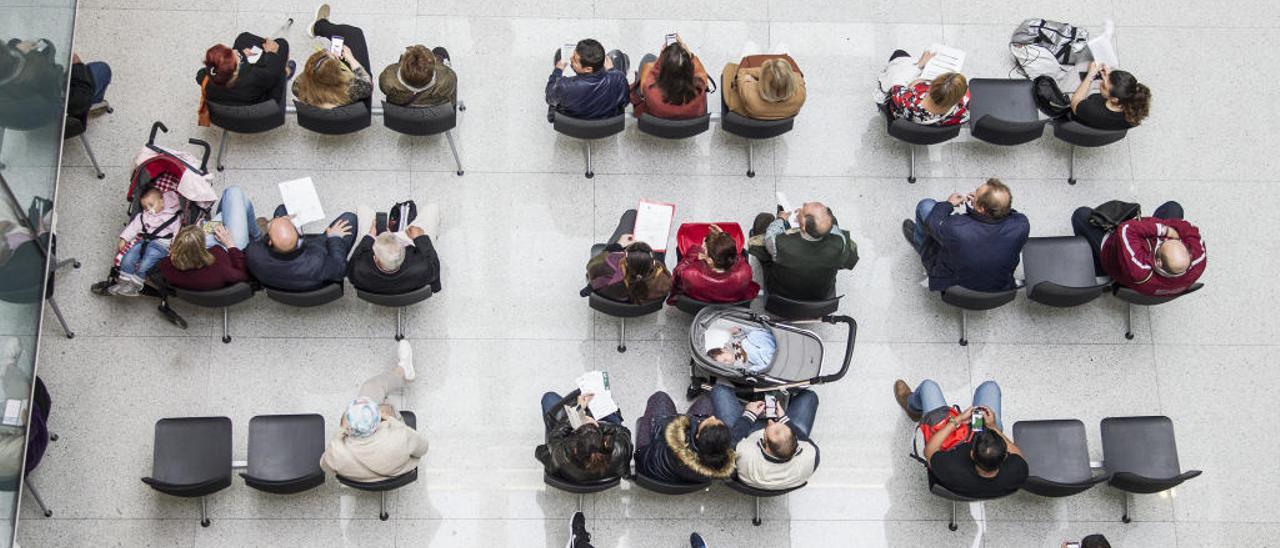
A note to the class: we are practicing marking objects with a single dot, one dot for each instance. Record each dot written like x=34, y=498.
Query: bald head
x=780, y=440
x=1173, y=258
x=816, y=219
x=282, y=236
x=993, y=199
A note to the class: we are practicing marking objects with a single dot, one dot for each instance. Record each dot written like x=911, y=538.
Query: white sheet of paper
x=653, y=223
x=784, y=202
x=566, y=55
x=13, y=412
x=946, y=59
x=597, y=384
x=300, y=198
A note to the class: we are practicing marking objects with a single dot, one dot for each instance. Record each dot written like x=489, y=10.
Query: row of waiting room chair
x=1140, y=456
x=193, y=458
x=1059, y=273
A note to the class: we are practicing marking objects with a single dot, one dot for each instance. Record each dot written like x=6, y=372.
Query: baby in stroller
x=146, y=238
x=753, y=347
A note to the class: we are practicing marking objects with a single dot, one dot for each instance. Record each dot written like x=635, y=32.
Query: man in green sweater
x=801, y=262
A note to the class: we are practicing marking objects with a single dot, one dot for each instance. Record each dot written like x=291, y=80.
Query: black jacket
x=80, y=92
x=972, y=250
x=320, y=260
x=671, y=456
x=554, y=455
x=421, y=267
x=591, y=96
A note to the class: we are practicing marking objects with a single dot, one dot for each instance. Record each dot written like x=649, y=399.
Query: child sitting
x=752, y=346
x=156, y=223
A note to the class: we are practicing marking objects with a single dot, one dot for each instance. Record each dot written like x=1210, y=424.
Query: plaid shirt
x=907, y=102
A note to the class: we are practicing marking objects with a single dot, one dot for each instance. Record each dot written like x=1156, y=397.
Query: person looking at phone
x=772, y=444
x=593, y=450
x=392, y=263
x=751, y=347
x=984, y=465
x=978, y=249
x=252, y=70
x=1119, y=103
x=597, y=88
x=801, y=262
x=288, y=260
x=672, y=85
x=338, y=76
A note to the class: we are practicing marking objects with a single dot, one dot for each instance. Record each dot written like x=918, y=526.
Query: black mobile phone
x=381, y=222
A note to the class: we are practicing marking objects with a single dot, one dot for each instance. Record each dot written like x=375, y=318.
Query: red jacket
x=1127, y=255
x=696, y=278
x=227, y=268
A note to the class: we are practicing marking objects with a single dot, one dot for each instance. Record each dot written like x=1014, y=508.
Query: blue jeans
x=138, y=263
x=928, y=396
x=802, y=409
x=236, y=213
x=101, y=73
x=923, y=208
x=550, y=399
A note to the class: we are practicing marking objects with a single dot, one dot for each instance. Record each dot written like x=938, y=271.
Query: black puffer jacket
x=554, y=455
x=672, y=457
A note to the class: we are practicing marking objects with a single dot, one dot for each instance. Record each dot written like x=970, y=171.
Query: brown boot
x=902, y=391
x=262, y=224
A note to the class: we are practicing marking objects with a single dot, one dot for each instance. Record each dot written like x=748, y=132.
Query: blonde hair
x=324, y=81
x=948, y=89
x=187, y=251
x=777, y=81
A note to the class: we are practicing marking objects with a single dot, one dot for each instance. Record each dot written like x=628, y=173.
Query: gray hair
x=389, y=252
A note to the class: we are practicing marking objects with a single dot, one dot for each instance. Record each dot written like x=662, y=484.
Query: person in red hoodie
x=714, y=271
x=1157, y=255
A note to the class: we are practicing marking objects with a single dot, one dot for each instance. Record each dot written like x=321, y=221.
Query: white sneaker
x=322, y=12
x=405, y=352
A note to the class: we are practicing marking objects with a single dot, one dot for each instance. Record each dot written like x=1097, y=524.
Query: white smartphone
x=335, y=45
x=255, y=53
x=566, y=55
x=770, y=407
x=672, y=38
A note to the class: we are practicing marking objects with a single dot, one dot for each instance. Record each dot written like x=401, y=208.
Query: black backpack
x=1110, y=214
x=1049, y=99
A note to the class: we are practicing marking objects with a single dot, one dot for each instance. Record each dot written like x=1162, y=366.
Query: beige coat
x=756, y=470
x=392, y=450
x=742, y=95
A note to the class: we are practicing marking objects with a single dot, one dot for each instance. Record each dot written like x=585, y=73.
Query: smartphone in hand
x=770, y=407
x=335, y=45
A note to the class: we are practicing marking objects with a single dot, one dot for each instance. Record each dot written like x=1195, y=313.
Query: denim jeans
x=138, y=262
x=101, y=73
x=928, y=396
x=235, y=211
x=920, y=237
x=802, y=409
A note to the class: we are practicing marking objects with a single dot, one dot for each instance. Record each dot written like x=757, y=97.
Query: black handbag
x=1049, y=98
x=1110, y=214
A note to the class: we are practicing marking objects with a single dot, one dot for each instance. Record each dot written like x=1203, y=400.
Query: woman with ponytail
x=1120, y=103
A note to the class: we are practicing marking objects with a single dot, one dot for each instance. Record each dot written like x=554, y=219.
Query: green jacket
x=805, y=269
x=443, y=88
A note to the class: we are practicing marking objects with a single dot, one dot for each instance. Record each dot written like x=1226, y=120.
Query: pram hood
x=192, y=185
x=799, y=351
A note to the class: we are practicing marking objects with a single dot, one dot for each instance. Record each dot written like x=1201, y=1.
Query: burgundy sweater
x=227, y=268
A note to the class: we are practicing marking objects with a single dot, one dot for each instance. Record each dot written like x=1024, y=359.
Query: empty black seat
x=968, y=299
x=1141, y=455
x=795, y=309
x=323, y=295
x=734, y=483
x=1003, y=111
x=916, y=134
x=589, y=130
x=192, y=458
x=334, y=121
x=693, y=306
x=937, y=489
x=423, y=121
x=673, y=129
x=389, y=484
x=1080, y=135
x=1133, y=297
x=622, y=311
x=752, y=130
x=255, y=118
x=1059, y=271
x=399, y=302
x=219, y=298
x=284, y=453
x=1057, y=454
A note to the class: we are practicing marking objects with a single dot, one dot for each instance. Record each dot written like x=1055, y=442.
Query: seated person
x=628, y=271
x=286, y=259
x=88, y=86
x=145, y=240
x=1157, y=255
x=599, y=88
x=1119, y=103
x=330, y=80
x=943, y=101
x=713, y=271
x=978, y=249
x=751, y=348
x=398, y=261
x=987, y=464
x=29, y=70
x=801, y=262
x=200, y=262
x=373, y=443
x=774, y=453
x=422, y=78
x=671, y=86
x=23, y=251
x=228, y=78
x=766, y=86
x=673, y=448
x=592, y=450
x=1091, y=541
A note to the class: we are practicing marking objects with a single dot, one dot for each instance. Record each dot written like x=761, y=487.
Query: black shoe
x=442, y=54
x=695, y=541
x=909, y=232
x=290, y=68
x=578, y=534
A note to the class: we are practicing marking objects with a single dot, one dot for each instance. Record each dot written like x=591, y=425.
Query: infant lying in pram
x=145, y=240
x=752, y=348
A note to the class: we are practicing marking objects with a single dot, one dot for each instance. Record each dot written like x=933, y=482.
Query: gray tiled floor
x=509, y=324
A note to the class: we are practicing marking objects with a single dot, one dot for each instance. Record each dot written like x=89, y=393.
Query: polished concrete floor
x=516, y=232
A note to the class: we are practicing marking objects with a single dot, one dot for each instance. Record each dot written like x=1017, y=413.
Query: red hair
x=221, y=63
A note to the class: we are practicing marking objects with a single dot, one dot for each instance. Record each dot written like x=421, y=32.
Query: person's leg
x=923, y=208
x=349, y=240
x=280, y=92
x=280, y=211
x=150, y=257
x=626, y=225
x=621, y=62
x=647, y=59
x=429, y=221
x=236, y=213
x=1168, y=210
x=725, y=403
x=898, y=53
x=802, y=409
x=1081, y=227
x=660, y=405
x=129, y=263
x=246, y=40
x=988, y=394
x=352, y=37
x=701, y=407
x=927, y=397
x=549, y=400
x=101, y=79
x=380, y=385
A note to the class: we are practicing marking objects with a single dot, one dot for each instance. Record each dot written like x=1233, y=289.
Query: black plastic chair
x=1057, y=454
x=304, y=299
x=219, y=298
x=1003, y=111
x=192, y=459
x=693, y=306
x=33, y=293
x=1133, y=297
x=667, y=488
x=1059, y=271
x=424, y=121
x=581, y=489
x=757, y=494
x=391, y=484
x=1080, y=135
x=664, y=128
x=75, y=127
x=284, y=453
x=1141, y=455
x=398, y=302
x=334, y=121
x=589, y=130
x=753, y=130
x=255, y=118
x=795, y=309
x=967, y=299
x=914, y=134
x=939, y=490
x=619, y=309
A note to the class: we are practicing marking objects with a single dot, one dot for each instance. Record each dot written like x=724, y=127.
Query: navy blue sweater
x=972, y=250
x=589, y=96
x=320, y=260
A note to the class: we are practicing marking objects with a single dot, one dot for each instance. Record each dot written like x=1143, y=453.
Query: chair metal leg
x=952, y=526
x=751, y=153
x=226, y=331
x=580, y=501
x=911, y=175
x=400, y=323
x=1125, y=517
x=622, y=334
x=586, y=146
x=53, y=436
x=454, y=147
x=382, y=508
x=222, y=147
x=964, y=328
x=92, y=158
x=1128, y=321
x=58, y=313
x=1, y=144
x=35, y=494
x=204, y=512
x=1071, y=167
x=755, y=520
x=63, y=263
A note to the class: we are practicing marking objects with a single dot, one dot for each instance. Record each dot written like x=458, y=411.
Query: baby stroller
x=165, y=170
x=797, y=362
